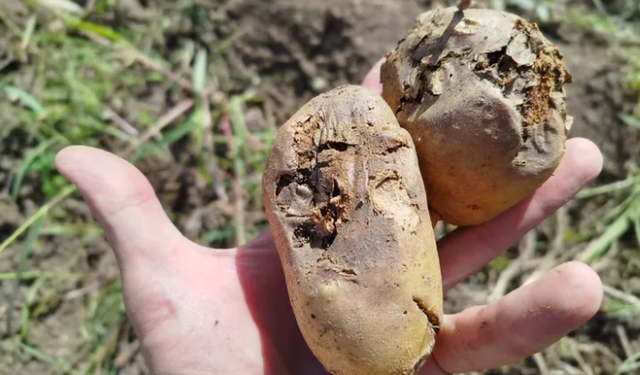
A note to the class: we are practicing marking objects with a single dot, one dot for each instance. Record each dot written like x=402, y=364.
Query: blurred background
x=193, y=91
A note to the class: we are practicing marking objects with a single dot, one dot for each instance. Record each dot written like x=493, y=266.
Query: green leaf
x=609, y=188
x=142, y=152
x=16, y=94
x=28, y=30
x=179, y=131
x=623, y=208
x=32, y=236
x=83, y=96
x=200, y=71
x=524, y=4
x=24, y=168
x=238, y=124
x=632, y=363
x=61, y=365
x=499, y=263
x=43, y=211
x=64, y=5
x=92, y=28
x=37, y=354
x=32, y=275
x=632, y=121
x=601, y=245
x=636, y=226
x=544, y=14
x=628, y=367
x=224, y=234
x=26, y=307
x=173, y=135
x=636, y=222
x=72, y=230
x=600, y=6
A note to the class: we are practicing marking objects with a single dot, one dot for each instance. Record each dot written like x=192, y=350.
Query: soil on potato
x=290, y=51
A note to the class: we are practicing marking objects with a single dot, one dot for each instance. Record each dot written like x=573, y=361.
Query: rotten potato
x=482, y=94
x=348, y=210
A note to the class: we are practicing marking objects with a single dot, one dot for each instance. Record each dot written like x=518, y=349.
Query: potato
x=347, y=207
x=481, y=93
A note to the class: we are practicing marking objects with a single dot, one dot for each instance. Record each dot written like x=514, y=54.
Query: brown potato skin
x=347, y=207
x=481, y=92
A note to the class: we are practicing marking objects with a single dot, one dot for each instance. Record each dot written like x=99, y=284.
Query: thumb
x=372, y=79
x=124, y=203
x=142, y=236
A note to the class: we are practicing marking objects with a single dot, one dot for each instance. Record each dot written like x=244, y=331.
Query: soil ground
x=66, y=310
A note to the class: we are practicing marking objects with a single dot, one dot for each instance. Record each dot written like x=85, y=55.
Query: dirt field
x=70, y=83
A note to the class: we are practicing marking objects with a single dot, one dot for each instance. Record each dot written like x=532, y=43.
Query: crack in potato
x=320, y=227
x=522, y=57
x=432, y=317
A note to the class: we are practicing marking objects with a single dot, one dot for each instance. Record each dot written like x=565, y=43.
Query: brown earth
x=289, y=51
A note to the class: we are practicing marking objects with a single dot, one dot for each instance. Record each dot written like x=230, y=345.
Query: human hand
x=210, y=311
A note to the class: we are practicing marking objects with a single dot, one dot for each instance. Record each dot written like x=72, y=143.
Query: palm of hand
x=203, y=311
x=219, y=312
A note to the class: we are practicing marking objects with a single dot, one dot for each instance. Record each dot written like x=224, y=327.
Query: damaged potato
x=347, y=207
x=472, y=116
x=481, y=93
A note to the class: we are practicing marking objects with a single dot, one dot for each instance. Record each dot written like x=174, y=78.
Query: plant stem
x=39, y=214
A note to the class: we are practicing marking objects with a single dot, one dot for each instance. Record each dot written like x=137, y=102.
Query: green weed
x=618, y=220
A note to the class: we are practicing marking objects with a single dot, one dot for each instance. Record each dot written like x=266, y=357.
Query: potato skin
x=481, y=93
x=347, y=207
